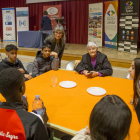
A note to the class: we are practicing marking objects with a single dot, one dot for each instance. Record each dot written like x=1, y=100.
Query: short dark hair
x=45, y=13
x=11, y=80
x=11, y=47
x=110, y=119
x=46, y=45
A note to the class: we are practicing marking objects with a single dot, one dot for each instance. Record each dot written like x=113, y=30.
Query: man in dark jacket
x=94, y=63
x=13, y=62
x=15, y=122
x=45, y=25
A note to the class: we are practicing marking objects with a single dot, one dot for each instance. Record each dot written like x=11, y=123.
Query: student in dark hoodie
x=13, y=62
x=45, y=61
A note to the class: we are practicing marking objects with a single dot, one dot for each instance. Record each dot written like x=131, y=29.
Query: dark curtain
x=74, y=11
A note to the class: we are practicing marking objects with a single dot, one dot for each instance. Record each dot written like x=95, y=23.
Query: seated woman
x=105, y=121
x=94, y=63
x=45, y=61
x=134, y=72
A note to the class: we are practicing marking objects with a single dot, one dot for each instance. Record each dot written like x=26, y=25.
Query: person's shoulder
x=48, y=39
x=27, y=117
x=85, y=55
x=3, y=62
x=17, y=61
x=101, y=54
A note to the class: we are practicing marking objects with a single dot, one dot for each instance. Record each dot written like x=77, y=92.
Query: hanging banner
x=8, y=15
x=111, y=22
x=22, y=16
x=128, y=27
x=95, y=23
x=54, y=12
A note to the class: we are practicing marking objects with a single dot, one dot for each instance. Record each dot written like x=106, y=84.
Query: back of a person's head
x=11, y=82
x=110, y=119
x=45, y=13
x=11, y=47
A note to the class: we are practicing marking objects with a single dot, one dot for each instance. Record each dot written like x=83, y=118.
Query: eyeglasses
x=58, y=33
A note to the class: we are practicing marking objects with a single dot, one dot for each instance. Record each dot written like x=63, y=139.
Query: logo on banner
x=8, y=18
x=8, y=28
x=52, y=11
x=111, y=13
x=129, y=3
x=129, y=7
x=7, y=11
x=8, y=34
x=22, y=23
x=8, y=23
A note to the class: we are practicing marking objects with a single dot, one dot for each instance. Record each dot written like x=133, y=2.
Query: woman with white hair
x=94, y=63
x=57, y=40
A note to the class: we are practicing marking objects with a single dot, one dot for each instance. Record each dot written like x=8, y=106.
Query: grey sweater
x=42, y=65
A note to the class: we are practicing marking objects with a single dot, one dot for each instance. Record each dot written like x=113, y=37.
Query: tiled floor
x=117, y=72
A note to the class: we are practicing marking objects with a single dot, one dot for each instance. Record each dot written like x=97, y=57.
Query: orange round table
x=71, y=108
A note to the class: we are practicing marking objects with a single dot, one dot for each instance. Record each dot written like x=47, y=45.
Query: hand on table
x=94, y=74
x=28, y=76
x=21, y=70
x=85, y=72
x=25, y=102
x=54, y=54
x=87, y=132
x=131, y=101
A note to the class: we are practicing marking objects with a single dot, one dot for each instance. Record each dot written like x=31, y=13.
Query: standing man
x=45, y=25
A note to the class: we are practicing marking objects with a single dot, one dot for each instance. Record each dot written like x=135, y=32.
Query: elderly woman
x=94, y=63
x=57, y=41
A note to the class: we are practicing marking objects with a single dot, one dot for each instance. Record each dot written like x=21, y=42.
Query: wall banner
x=95, y=23
x=111, y=22
x=8, y=15
x=54, y=12
x=128, y=27
x=22, y=17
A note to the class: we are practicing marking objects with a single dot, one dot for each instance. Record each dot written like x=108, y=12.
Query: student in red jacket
x=15, y=122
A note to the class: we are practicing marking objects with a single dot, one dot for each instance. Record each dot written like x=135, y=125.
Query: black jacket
x=20, y=124
x=102, y=64
x=42, y=65
x=6, y=64
x=53, y=44
x=46, y=23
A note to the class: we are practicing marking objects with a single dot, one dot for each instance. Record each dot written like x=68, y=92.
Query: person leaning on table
x=94, y=62
x=57, y=41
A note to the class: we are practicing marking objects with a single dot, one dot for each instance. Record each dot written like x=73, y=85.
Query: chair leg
x=52, y=137
x=52, y=133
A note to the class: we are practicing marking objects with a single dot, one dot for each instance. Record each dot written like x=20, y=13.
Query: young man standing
x=13, y=62
x=15, y=122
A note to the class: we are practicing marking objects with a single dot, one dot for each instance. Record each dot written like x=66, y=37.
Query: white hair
x=92, y=44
